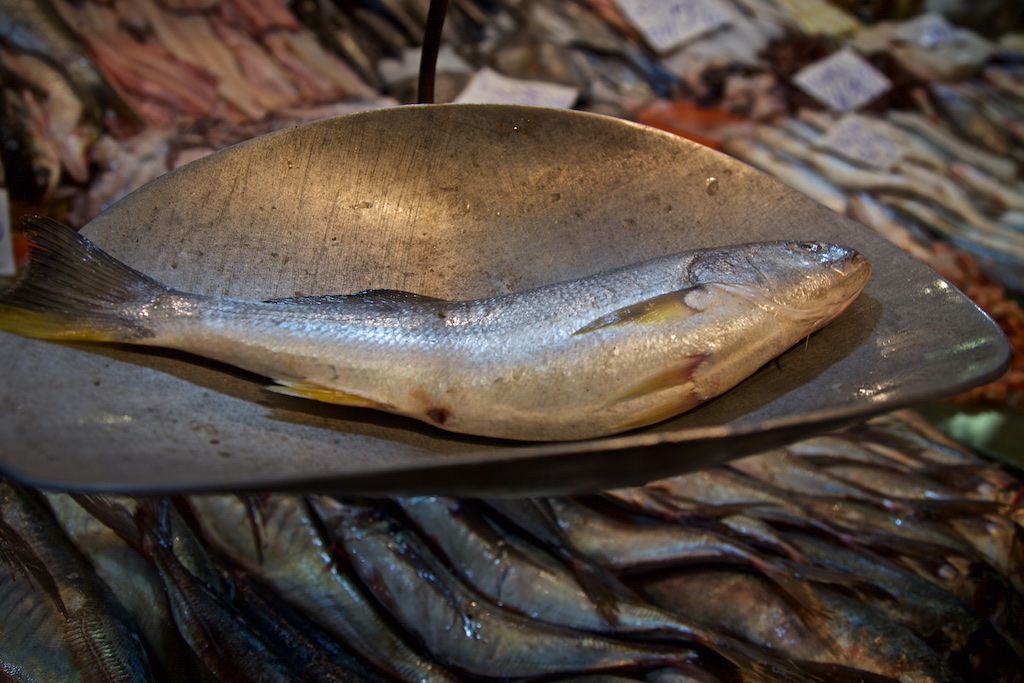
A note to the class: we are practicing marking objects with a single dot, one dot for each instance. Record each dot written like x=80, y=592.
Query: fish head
x=807, y=282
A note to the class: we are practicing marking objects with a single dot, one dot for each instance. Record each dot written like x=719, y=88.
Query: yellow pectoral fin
x=661, y=309
x=679, y=376
x=680, y=373
x=661, y=412
x=317, y=392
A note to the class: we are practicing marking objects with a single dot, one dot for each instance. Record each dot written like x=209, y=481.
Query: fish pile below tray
x=881, y=552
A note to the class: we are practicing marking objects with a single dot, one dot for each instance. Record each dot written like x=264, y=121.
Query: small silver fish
x=578, y=359
x=81, y=632
x=288, y=554
x=460, y=627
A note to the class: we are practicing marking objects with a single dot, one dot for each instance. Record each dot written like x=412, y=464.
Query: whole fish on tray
x=577, y=359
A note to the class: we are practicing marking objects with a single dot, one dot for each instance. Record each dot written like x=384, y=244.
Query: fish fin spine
x=71, y=290
x=664, y=308
x=678, y=375
x=673, y=376
x=661, y=412
x=318, y=392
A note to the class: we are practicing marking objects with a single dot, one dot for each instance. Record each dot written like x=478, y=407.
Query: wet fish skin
x=345, y=35
x=461, y=628
x=516, y=574
x=902, y=655
x=312, y=652
x=901, y=533
x=728, y=489
x=847, y=633
x=641, y=548
x=679, y=675
x=698, y=592
x=101, y=640
x=200, y=602
x=918, y=604
x=995, y=238
x=879, y=485
x=537, y=519
x=940, y=618
x=289, y=554
x=797, y=476
x=625, y=547
x=215, y=631
x=897, y=438
x=636, y=549
x=513, y=574
x=797, y=176
x=867, y=210
x=894, y=525
x=999, y=540
x=18, y=557
x=984, y=589
x=640, y=344
x=135, y=582
x=32, y=645
x=917, y=489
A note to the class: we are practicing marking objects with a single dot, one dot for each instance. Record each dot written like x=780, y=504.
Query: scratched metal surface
x=455, y=201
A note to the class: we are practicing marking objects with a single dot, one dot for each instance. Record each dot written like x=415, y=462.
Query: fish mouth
x=856, y=270
x=843, y=259
x=850, y=264
x=853, y=270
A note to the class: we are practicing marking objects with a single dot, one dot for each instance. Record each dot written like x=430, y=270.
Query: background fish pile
x=881, y=552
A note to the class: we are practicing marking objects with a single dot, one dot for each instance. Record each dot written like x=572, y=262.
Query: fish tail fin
x=71, y=290
x=115, y=516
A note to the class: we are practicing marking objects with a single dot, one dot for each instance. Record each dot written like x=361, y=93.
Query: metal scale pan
x=455, y=201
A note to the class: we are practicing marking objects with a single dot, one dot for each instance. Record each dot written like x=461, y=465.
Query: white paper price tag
x=667, y=24
x=844, y=81
x=928, y=31
x=858, y=139
x=490, y=87
x=7, y=265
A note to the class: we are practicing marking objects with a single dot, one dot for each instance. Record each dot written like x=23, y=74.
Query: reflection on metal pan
x=455, y=201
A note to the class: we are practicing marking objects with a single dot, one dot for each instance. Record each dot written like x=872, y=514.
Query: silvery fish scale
x=455, y=201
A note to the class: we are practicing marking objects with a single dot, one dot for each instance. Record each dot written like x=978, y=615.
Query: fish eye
x=813, y=247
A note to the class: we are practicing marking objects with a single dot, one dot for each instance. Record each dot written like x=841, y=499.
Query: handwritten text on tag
x=844, y=81
x=858, y=139
x=667, y=24
x=928, y=31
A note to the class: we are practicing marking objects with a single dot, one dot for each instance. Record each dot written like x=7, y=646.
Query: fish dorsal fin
x=395, y=296
x=376, y=298
x=663, y=308
x=325, y=300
